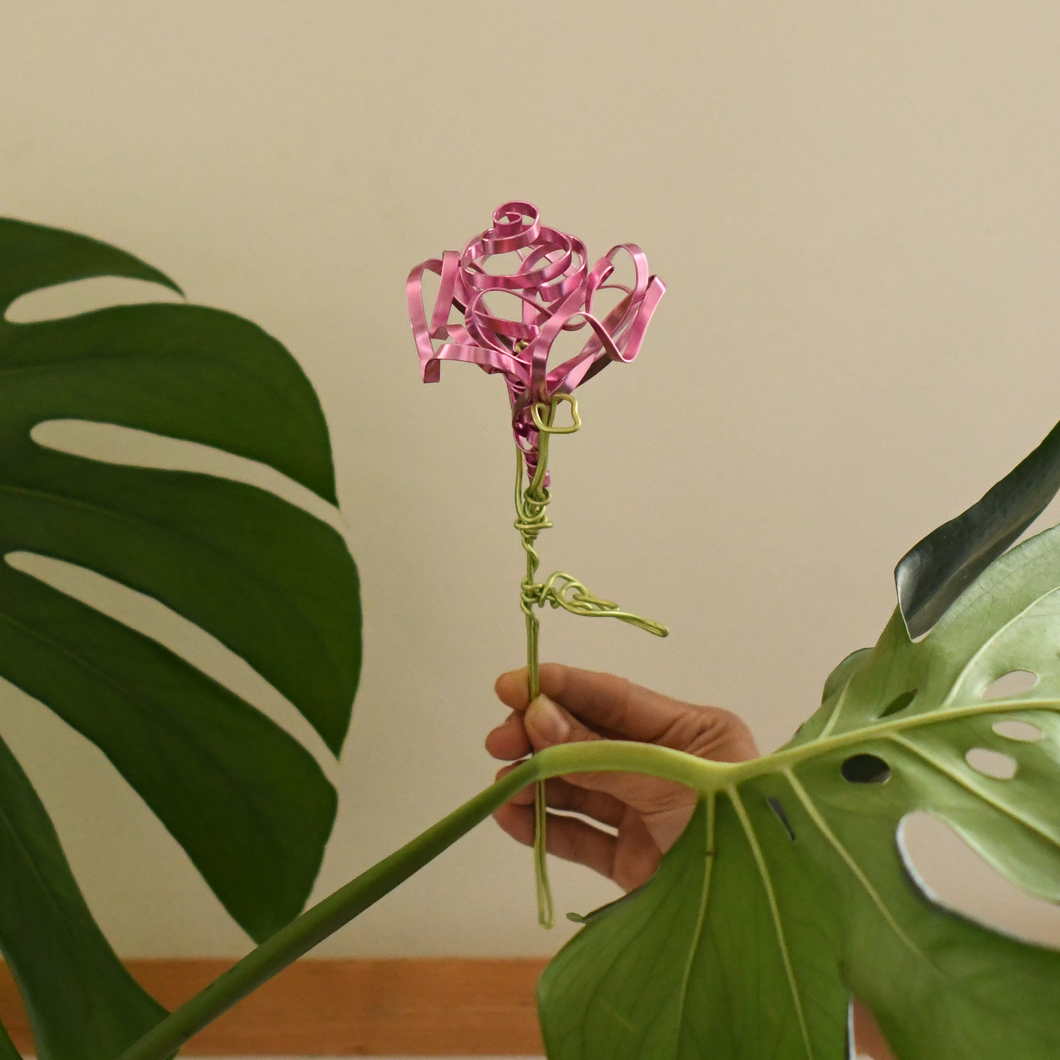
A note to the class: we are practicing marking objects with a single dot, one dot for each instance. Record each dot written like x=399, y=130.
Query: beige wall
x=856, y=209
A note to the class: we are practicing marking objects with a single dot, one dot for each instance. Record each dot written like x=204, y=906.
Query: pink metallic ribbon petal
x=555, y=288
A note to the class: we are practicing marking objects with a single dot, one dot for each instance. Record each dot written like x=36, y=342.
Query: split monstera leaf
x=788, y=892
x=247, y=802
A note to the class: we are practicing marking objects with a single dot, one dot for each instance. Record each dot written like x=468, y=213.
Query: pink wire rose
x=556, y=290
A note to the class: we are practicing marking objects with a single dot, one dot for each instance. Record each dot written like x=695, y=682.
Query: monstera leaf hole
x=1014, y=683
x=778, y=808
x=1020, y=731
x=953, y=875
x=899, y=703
x=192, y=643
x=866, y=769
x=110, y=443
x=992, y=763
x=85, y=296
x=866, y=1037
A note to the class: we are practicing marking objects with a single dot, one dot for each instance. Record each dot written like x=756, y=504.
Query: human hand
x=649, y=814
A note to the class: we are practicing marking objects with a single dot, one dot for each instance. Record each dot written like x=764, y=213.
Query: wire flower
x=556, y=290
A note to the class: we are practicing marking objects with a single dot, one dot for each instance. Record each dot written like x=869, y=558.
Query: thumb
x=548, y=724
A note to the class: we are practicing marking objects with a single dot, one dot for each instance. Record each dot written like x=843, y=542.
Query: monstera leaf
x=788, y=892
x=246, y=801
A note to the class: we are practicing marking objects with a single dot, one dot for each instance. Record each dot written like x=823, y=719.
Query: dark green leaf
x=278, y=587
x=934, y=572
x=246, y=801
x=33, y=257
x=7, y=1046
x=82, y=1003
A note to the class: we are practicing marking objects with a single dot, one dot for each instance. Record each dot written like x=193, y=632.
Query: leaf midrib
x=778, y=760
x=707, y=776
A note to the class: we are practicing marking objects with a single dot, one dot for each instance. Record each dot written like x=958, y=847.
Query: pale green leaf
x=788, y=893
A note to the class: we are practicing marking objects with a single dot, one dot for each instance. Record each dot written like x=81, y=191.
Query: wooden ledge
x=421, y=1007
x=446, y=1006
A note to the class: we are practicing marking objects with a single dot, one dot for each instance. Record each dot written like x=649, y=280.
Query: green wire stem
x=558, y=590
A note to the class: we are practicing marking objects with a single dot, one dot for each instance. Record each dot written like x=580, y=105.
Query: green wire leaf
x=788, y=892
x=278, y=587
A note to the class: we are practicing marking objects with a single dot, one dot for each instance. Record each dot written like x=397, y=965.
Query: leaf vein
x=874, y=896
x=774, y=908
x=963, y=782
x=701, y=919
x=975, y=656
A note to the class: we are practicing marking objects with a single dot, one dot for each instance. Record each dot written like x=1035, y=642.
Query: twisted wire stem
x=559, y=590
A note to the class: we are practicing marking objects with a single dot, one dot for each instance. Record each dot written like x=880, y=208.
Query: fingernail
x=547, y=720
